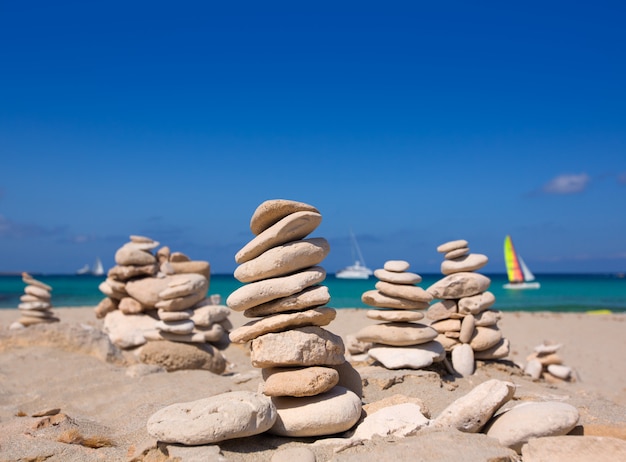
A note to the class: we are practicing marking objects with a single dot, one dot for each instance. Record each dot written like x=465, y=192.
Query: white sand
x=51, y=367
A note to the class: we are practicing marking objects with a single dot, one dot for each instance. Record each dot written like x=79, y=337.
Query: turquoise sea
x=558, y=292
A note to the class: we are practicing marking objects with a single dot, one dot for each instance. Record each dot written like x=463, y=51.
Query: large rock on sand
x=175, y=356
x=226, y=416
x=532, y=420
x=471, y=412
x=332, y=412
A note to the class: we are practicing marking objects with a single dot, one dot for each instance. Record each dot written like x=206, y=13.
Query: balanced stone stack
x=134, y=261
x=546, y=363
x=399, y=341
x=163, y=297
x=303, y=365
x=467, y=328
x=35, y=306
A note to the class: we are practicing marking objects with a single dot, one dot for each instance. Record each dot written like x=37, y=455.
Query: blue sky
x=411, y=123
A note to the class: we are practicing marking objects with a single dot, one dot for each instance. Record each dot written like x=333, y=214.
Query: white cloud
x=567, y=184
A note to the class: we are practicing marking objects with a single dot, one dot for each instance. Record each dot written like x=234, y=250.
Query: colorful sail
x=513, y=267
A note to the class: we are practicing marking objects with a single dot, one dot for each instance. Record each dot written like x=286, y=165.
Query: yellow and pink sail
x=517, y=271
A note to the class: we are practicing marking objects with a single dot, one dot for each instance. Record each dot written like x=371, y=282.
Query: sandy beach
x=105, y=398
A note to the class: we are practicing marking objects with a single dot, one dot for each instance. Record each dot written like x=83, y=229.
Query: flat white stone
x=393, y=277
x=182, y=285
x=459, y=285
x=207, y=314
x=395, y=315
x=181, y=303
x=29, y=298
x=274, y=210
x=184, y=326
x=405, y=291
x=532, y=420
x=471, y=412
x=452, y=245
x=457, y=253
x=299, y=381
x=174, y=315
x=132, y=254
x=37, y=306
x=47, y=313
x=378, y=299
x=293, y=227
x=400, y=420
x=329, y=413
x=259, y=292
x=471, y=262
x=546, y=348
x=221, y=417
x=413, y=357
x=313, y=296
x=560, y=371
x=396, y=266
x=280, y=322
x=397, y=333
x=283, y=259
x=37, y=291
x=137, y=239
x=128, y=331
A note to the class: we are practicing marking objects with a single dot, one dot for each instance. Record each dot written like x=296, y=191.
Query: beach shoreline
x=43, y=369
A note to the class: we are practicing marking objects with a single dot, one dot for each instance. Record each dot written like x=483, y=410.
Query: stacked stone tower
x=467, y=328
x=399, y=341
x=153, y=300
x=303, y=364
x=36, y=305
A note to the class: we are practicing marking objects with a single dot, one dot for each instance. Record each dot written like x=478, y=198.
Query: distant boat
x=96, y=269
x=520, y=277
x=359, y=270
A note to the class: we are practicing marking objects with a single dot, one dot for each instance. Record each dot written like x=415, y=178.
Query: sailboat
x=520, y=277
x=95, y=270
x=359, y=270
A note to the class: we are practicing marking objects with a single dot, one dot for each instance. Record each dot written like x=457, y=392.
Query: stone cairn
x=546, y=363
x=399, y=341
x=467, y=328
x=303, y=366
x=35, y=306
x=159, y=302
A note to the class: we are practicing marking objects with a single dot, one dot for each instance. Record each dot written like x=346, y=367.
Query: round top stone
x=452, y=245
x=272, y=211
x=396, y=266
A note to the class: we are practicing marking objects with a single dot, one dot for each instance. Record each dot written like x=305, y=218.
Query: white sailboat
x=96, y=270
x=520, y=277
x=359, y=270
